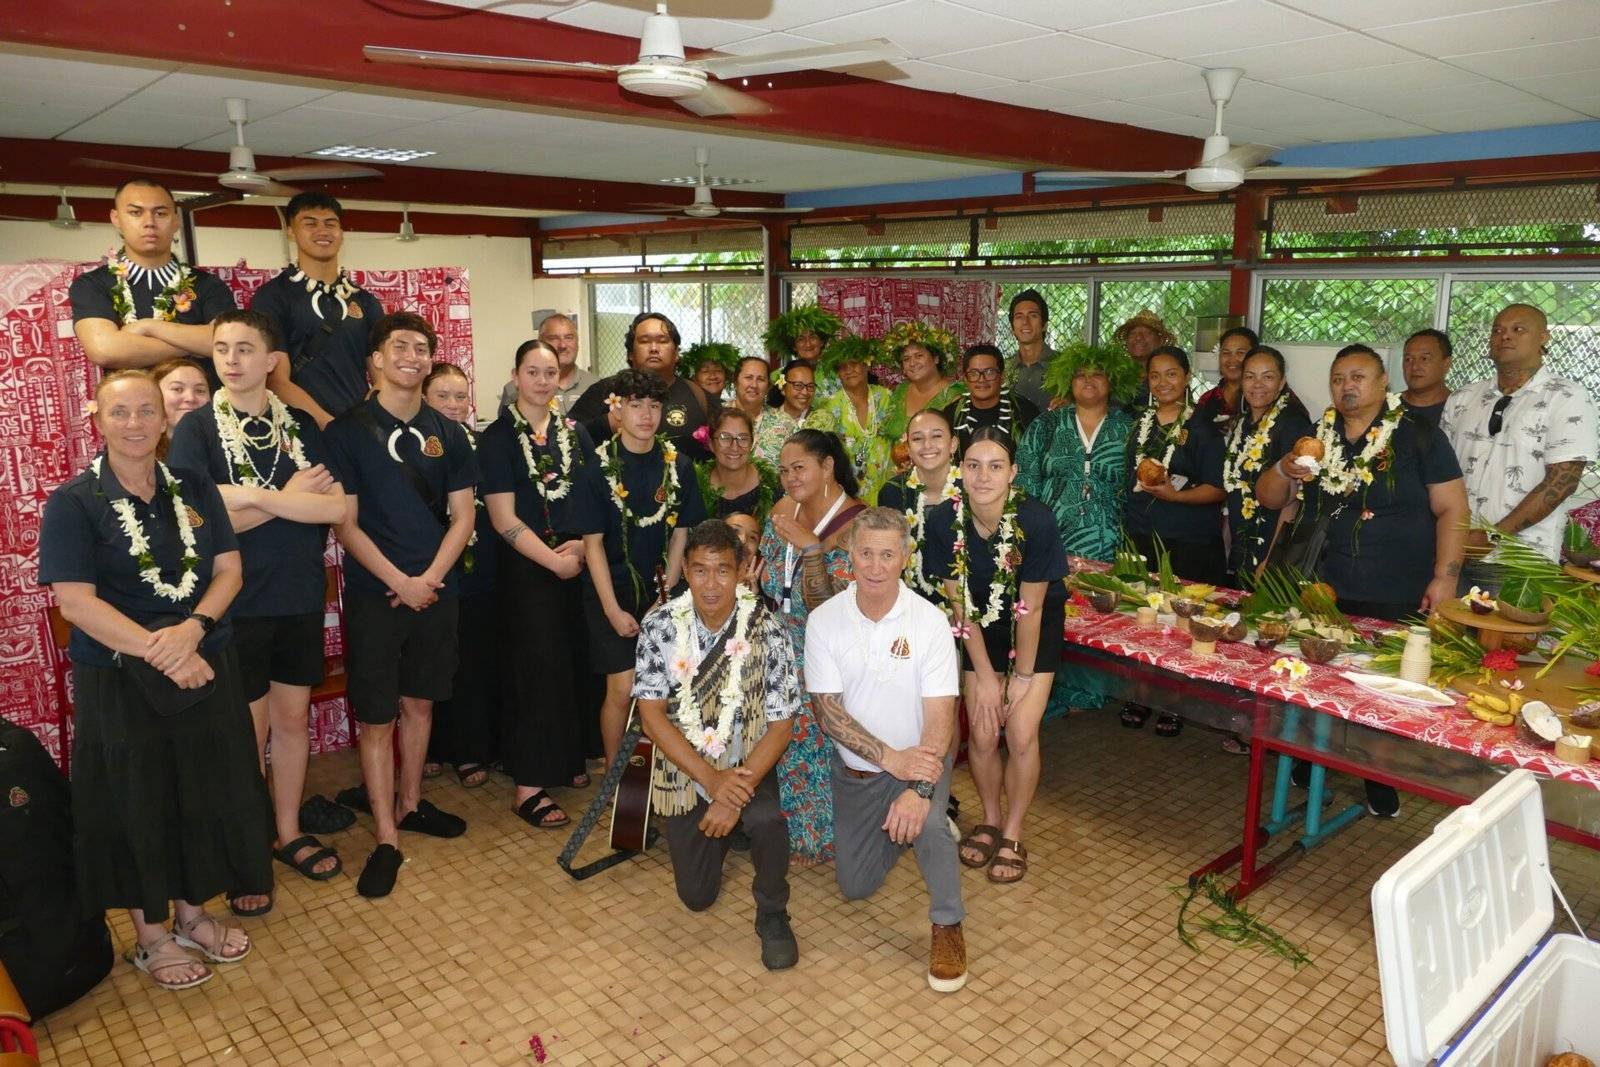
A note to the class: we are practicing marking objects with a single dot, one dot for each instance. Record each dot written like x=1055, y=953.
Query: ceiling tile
x=203, y=94
x=923, y=27
x=1132, y=83
x=38, y=120
x=1511, y=64
x=1027, y=94
x=629, y=22
x=1365, y=14
x=1580, y=91
x=1144, y=117
x=755, y=15
x=1375, y=85
x=1485, y=31
x=1533, y=113
x=306, y=129
x=1484, y=94
x=381, y=102
x=1058, y=15
x=1365, y=128
x=1339, y=51
x=80, y=97
x=128, y=74
x=1042, y=57
x=766, y=42
x=1212, y=28
x=159, y=129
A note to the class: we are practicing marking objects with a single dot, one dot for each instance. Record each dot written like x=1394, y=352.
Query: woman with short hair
x=796, y=386
x=733, y=481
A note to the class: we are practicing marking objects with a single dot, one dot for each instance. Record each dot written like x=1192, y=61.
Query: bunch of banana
x=1497, y=711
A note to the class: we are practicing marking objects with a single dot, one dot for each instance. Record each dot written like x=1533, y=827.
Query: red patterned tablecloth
x=1242, y=666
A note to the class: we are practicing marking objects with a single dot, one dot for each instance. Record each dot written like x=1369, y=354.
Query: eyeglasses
x=735, y=440
x=1497, y=417
x=983, y=374
x=803, y=387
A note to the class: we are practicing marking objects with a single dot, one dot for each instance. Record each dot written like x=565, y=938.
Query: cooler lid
x=1457, y=914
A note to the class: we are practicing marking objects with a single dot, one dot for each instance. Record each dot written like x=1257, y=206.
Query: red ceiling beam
x=54, y=163
x=324, y=41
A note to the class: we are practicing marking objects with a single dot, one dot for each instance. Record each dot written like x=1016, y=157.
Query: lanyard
x=791, y=558
x=1088, y=447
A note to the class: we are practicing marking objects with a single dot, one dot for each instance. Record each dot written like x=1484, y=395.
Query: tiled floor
x=486, y=943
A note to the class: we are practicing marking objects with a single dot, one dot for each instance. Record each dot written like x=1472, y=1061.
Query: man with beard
x=652, y=344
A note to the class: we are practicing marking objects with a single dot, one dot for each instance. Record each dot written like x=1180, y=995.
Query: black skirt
x=543, y=735
x=1052, y=623
x=464, y=726
x=166, y=807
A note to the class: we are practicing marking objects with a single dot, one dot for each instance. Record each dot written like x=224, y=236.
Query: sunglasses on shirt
x=1497, y=417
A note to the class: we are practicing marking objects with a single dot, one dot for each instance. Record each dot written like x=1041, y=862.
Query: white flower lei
x=1147, y=423
x=563, y=446
x=1245, y=457
x=139, y=543
x=176, y=297
x=914, y=516
x=1005, y=536
x=1339, y=476
x=230, y=434
x=712, y=740
x=619, y=495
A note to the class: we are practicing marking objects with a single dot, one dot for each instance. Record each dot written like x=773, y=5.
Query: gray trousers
x=697, y=859
x=864, y=855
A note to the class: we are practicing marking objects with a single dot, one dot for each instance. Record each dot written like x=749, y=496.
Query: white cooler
x=1470, y=973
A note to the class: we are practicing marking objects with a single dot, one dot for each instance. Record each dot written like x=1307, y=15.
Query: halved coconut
x=1538, y=724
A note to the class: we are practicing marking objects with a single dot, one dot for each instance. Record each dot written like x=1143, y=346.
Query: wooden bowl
x=1523, y=617
x=1320, y=649
x=1103, y=601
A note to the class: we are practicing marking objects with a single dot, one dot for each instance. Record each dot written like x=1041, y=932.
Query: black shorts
x=396, y=652
x=1052, y=623
x=282, y=648
x=609, y=652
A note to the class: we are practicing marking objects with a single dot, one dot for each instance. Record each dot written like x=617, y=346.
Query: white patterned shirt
x=1548, y=420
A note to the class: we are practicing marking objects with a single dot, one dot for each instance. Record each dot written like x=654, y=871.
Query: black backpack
x=54, y=954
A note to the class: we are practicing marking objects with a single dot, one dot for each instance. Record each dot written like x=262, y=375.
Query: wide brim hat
x=1150, y=321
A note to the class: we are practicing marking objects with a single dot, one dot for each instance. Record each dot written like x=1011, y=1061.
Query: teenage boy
x=323, y=316
x=634, y=510
x=408, y=474
x=268, y=462
x=144, y=306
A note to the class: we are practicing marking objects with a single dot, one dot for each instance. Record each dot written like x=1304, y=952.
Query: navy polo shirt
x=1291, y=425
x=81, y=540
x=389, y=508
x=1389, y=557
x=90, y=296
x=1199, y=459
x=327, y=345
x=642, y=478
x=681, y=415
x=505, y=471
x=1038, y=539
x=283, y=568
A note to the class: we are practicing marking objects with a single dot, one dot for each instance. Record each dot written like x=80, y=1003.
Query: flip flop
x=307, y=864
x=992, y=836
x=249, y=913
x=532, y=812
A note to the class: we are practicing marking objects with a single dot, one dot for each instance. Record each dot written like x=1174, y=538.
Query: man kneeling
x=713, y=672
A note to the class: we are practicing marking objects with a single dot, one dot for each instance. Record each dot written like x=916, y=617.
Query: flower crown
x=1119, y=368
x=936, y=339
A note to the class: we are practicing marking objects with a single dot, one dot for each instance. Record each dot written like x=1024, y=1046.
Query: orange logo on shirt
x=195, y=518
x=901, y=649
x=353, y=310
x=432, y=447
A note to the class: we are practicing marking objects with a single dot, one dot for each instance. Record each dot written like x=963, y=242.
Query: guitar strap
x=598, y=807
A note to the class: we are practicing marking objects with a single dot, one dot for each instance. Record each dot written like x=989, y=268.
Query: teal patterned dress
x=1085, y=489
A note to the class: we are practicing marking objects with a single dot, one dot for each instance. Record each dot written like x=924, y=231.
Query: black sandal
x=465, y=771
x=308, y=864
x=1168, y=725
x=319, y=815
x=1133, y=716
x=249, y=913
x=540, y=804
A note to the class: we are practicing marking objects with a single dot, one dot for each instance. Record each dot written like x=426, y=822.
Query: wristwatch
x=923, y=789
x=206, y=621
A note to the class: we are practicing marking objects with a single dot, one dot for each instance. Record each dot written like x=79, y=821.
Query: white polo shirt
x=1549, y=420
x=884, y=668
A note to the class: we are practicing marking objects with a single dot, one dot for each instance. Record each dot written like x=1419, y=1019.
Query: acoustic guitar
x=630, y=811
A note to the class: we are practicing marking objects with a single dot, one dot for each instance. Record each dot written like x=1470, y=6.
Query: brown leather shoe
x=947, y=959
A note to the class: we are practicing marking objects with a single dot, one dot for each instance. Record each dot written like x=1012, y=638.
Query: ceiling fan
x=661, y=69
x=241, y=175
x=703, y=207
x=1223, y=165
x=66, y=218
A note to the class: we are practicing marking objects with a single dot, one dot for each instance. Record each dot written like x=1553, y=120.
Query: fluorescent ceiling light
x=382, y=155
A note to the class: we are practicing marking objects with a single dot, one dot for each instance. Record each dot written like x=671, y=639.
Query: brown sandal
x=164, y=955
x=1018, y=863
x=986, y=847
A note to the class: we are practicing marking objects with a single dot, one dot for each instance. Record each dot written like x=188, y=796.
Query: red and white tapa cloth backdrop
x=870, y=307
x=1242, y=666
x=45, y=438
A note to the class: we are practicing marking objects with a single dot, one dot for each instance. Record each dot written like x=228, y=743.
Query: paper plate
x=1399, y=689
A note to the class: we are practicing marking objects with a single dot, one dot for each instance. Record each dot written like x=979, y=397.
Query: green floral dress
x=1084, y=487
x=869, y=452
x=772, y=430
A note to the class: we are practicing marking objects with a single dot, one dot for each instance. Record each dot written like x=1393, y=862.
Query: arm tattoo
x=816, y=584
x=843, y=728
x=1559, y=482
x=514, y=532
x=1453, y=570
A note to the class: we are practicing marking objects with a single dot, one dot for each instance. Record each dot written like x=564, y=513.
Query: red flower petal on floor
x=537, y=1046
x=1501, y=659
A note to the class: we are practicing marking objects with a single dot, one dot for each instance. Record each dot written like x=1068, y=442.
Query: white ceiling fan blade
x=1081, y=175
x=322, y=172
x=765, y=210
x=716, y=100
x=818, y=57
x=1241, y=156
x=276, y=189
x=110, y=164
x=422, y=57
x=1308, y=173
